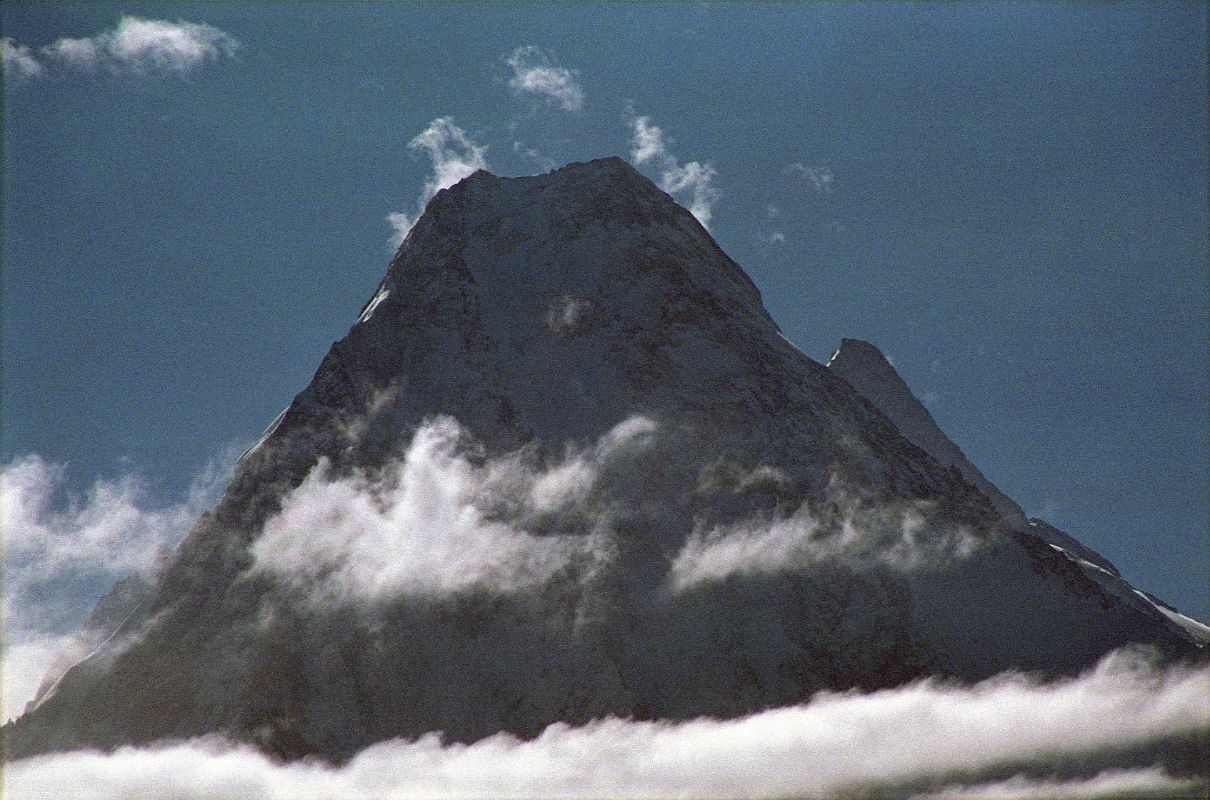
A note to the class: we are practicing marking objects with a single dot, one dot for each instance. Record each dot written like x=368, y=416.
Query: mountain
x=868, y=371
x=564, y=465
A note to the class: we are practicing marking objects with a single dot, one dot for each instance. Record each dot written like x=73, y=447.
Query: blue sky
x=1010, y=200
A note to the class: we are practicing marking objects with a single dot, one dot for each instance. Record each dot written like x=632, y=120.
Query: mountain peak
x=870, y=372
x=595, y=234
x=570, y=406
x=859, y=350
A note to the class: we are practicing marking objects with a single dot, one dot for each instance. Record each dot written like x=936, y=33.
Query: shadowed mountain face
x=565, y=466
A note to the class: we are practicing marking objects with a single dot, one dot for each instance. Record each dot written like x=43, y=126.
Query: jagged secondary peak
x=865, y=367
x=870, y=372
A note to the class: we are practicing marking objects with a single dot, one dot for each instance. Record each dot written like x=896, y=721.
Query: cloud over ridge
x=453, y=155
x=55, y=548
x=896, y=537
x=647, y=145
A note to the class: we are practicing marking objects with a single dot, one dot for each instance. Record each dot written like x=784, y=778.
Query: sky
x=1009, y=199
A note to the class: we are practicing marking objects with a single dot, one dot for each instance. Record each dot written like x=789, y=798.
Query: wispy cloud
x=424, y=528
x=943, y=735
x=536, y=73
x=454, y=156
x=897, y=536
x=135, y=45
x=19, y=60
x=818, y=176
x=692, y=178
x=61, y=553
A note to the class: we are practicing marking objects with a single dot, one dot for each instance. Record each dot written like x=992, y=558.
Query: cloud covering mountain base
x=1010, y=736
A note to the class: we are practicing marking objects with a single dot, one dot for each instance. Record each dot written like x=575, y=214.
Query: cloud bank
x=647, y=146
x=955, y=741
x=61, y=553
x=454, y=156
x=535, y=73
x=135, y=45
x=437, y=523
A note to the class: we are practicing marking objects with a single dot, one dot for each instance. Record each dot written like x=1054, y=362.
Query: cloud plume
x=435, y=525
x=535, y=73
x=454, y=156
x=983, y=740
x=693, y=178
x=894, y=536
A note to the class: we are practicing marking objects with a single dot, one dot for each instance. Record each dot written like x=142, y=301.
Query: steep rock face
x=865, y=368
x=580, y=312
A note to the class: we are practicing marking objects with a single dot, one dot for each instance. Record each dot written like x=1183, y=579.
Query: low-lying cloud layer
x=134, y=45
x=924, y=739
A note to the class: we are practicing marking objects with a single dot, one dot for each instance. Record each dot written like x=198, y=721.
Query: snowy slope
x=564, y=465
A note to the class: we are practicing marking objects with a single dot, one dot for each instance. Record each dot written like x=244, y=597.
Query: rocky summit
x=565, y=466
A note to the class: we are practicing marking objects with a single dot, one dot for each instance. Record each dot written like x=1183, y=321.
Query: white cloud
x=896, y=536
x=19, y=60
x=818, y=176
x=647, y=142
x=83, y=54
x=1138, y=783
x=401, y=223
x=138, y=45
x=28, y=658
x=838, y=743
x=426, y=527
x=61, y=553
x=454, y=156
x=693, y=178
x=535, y=73
x=777, y=237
